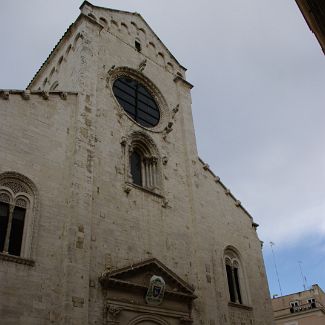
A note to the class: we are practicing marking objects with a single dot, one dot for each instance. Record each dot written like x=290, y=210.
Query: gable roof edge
x=227, y=191
x=138, y=15
x=56, y=48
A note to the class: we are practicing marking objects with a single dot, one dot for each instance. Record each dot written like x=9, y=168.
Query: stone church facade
x=107, y=215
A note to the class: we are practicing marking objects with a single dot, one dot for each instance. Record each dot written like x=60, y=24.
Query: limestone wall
x=37, y=136
x=91, y=217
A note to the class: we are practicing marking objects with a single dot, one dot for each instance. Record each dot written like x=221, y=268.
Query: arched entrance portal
x=148, y=320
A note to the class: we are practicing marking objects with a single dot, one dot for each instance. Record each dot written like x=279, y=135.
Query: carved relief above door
x=146, y=293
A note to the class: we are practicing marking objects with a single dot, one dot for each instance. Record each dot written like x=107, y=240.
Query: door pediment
x=137, y=277
x=147, y=292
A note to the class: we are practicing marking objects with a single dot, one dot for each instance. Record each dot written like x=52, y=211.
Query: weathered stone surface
x=91, y=218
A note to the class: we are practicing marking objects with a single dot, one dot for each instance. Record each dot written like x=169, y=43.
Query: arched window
x=17, y=198
x=136, y=168
x=234, y=276
x=144, y=162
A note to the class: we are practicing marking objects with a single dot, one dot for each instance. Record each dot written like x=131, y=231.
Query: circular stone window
x=137, y=101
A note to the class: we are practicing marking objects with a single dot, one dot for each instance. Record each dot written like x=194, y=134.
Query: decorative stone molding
x=18, y=183
x=5, y=95
x=186, y=320
x=127, y=189
x=237, y=203
x=206, y=167
x=113, y=310
x=165, y=204
x=25, y=94
x=78, y=302
x=255, y=225
x=109, y=72
x=167, y=130
x=123, y=141
x=217, y=179
x=63, y=95
x=183, y=81
x=175, y=111
x=45, y=95
x=164, y=160
x=227, y=191
x=142, y=65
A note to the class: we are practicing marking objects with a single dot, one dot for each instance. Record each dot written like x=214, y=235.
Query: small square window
x=294, y=303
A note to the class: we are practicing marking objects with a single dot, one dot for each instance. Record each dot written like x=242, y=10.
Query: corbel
x=175, y=111
x=25, y=94
x=127, y=189
x=123, y=141
x=63, y=95
x=167, y=129
x=113, y=311
x=5, y=95
x=142, y=65
x=206, y=167
x=217, y=179
x=45, y=95
x=165, y=203
x=109, y=72
x=164, y=160
x=186, y=320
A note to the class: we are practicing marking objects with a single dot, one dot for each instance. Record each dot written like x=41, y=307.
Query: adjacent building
x=314, y=14
x=107, y=214
x=302, y=308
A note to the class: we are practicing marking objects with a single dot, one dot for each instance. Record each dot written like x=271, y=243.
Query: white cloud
x=289, y=229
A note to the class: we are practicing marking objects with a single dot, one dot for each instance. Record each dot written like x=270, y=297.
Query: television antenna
x=304, y=280
x=276, y=268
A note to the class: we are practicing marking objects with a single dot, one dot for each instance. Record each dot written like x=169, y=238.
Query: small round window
x=136, y=100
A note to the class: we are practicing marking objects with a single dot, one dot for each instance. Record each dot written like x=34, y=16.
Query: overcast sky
x=258, y=105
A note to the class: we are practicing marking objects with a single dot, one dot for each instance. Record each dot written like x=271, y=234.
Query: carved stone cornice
x=186, y=321
x=113, y=311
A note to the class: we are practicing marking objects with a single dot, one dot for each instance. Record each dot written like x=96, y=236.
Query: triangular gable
x=138, y=275
x=69, y=34
x=72, y=31
x=135, y=14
